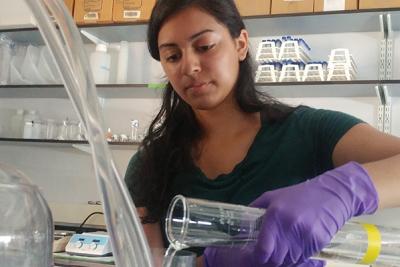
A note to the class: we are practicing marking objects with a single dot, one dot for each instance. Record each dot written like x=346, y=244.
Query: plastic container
x=44, y=67
x=100, y=62
x=29, y=68
x=16, y=65
x=5, y=59
x=123, y=59
x=32, y=125
x=63, y=130
x=136, y=72
x=73, y=130
x=49, y=128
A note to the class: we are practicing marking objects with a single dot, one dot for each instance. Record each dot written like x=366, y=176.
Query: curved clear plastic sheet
x=130, y=247
x=26, y=226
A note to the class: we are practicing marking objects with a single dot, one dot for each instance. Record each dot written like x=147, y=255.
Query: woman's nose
x=190, y=64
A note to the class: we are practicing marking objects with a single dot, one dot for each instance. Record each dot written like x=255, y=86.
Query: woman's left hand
x=302, y=219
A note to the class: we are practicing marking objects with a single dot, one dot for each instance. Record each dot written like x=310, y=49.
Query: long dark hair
x=167, y=148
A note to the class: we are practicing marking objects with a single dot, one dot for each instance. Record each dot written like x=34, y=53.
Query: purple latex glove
x=302, y=219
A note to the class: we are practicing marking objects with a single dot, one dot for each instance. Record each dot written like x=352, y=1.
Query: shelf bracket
x=386, y=47
x=385, y=73
x=382, y=47
x=389, y=47
x=384, y=109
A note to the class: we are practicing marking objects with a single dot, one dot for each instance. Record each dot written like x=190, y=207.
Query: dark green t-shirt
x=282, y=154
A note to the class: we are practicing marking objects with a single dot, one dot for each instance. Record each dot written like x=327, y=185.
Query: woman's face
x=200, y=58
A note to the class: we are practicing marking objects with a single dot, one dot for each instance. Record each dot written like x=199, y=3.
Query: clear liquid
x=169, y=256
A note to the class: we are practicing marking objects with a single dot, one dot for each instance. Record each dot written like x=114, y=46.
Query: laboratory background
x=334, y=54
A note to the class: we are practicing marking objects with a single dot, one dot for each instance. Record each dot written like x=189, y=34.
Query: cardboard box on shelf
x=132, y=10
x=292, y=6
x=254, y=7
x=70, y=5
x=368, y=4
x=93, y=11
x=332, y=5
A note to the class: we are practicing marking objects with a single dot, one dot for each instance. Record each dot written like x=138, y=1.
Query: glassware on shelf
x=134, y=130
x=81, y=132
x=109, y=135
x=124, y=138
x=32, y=130
x=63, y=130
x=51, y=129
x=194, y=222
x=73, y=130
x=32, y=125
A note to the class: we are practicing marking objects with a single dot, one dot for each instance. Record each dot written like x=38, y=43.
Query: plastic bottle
x=100, y=62
x=31, y=125
x=123, y=56
x=17, y=124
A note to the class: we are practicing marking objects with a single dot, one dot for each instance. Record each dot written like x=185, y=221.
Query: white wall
x=15, y=14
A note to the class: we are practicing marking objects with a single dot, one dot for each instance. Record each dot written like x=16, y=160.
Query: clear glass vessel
x=26, y=226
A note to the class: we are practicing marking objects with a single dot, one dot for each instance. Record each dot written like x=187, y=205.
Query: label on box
x=132, y=4
x=131, y=14
x=92, y=5
x=91, y=16
x=332, y=5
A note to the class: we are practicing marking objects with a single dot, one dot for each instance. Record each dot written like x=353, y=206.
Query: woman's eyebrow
x=194, y=36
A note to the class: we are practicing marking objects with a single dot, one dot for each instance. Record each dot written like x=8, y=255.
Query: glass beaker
x=73, y=130
x=194, y=222
x=184, y=258
x=81, y=132
x=51, y=129
x=63, y=130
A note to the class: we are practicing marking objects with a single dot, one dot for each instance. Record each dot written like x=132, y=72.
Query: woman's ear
x=242, y=44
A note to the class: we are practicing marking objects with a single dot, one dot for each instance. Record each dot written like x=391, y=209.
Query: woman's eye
x=172, y=58
x=205, y=48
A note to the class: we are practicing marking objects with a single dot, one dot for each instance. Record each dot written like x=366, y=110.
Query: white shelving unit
x=364, y=26
x=357, y=88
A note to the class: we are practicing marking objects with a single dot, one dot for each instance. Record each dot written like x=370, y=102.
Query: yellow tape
x=374, y=244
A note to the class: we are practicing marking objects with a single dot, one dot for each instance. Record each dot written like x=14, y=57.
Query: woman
x=216, y=137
